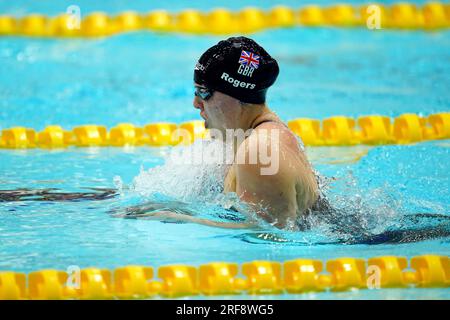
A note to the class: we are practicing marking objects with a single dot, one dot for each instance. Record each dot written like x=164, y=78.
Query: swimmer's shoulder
x=278, y=132
x=302, y=173
x=290, y=146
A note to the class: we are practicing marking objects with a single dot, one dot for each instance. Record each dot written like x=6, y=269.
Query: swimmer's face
x=220, y=111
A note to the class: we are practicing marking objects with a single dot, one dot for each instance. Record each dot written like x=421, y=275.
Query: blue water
x=397, y=195
x=324, y=72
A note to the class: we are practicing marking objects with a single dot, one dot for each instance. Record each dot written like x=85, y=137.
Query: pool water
x=394, y=200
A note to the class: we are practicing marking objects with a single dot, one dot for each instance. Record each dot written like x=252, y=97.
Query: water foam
x=193, y=174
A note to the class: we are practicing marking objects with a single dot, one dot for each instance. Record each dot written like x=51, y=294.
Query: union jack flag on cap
x=249, y=58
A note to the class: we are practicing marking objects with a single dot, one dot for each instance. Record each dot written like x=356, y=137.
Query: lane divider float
x=402, y=15
x=334, y=131
x=221, y=278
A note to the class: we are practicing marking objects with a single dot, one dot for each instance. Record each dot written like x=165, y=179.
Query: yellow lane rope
x=402, y=15
x=334, y=131
x=221, y=278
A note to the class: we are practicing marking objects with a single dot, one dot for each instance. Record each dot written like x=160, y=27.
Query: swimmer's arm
x=179, y=217
x=272, y=196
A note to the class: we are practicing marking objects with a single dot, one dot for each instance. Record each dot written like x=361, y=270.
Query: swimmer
x=412, y=227
x=231, y=80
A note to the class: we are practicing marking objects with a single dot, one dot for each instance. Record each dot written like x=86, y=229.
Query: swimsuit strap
x=277, y=120
x=264, y=121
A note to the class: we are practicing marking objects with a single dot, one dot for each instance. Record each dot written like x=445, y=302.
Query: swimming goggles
x=203, y=92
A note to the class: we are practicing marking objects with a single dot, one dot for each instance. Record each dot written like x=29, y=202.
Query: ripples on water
x=360, y=214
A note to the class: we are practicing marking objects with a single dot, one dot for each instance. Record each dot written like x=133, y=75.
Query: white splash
x=186, y=175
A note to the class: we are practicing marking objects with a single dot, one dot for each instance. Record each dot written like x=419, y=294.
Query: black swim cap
x=238, y=67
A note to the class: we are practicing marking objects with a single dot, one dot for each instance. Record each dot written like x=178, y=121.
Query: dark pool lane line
x=53, y=194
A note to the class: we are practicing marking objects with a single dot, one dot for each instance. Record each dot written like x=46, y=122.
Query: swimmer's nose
x=198, y=103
